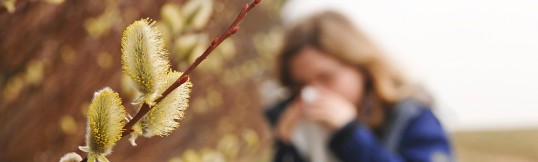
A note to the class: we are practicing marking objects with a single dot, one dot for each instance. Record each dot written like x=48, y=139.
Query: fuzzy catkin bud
x=165, y=116
x=144, y=58
x=106, y=119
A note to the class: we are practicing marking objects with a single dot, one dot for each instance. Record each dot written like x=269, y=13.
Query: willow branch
x=232, y=29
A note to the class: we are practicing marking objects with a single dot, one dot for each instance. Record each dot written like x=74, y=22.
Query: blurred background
x=477, y=57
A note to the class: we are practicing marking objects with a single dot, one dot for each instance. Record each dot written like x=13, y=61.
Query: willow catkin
x=165, y=116
x=144, y=59
x=106, y=119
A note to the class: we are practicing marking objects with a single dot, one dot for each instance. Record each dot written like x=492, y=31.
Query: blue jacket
x=410, y=133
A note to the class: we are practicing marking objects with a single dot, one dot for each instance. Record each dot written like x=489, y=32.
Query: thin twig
x=232, y=29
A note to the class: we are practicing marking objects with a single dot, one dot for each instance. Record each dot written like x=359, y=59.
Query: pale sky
x=478, y=57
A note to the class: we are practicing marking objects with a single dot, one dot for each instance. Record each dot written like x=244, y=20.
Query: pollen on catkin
x=106, y=119
x=144, y=58
x=166, y=115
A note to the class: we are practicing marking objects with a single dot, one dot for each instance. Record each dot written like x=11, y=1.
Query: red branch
x=232, y=29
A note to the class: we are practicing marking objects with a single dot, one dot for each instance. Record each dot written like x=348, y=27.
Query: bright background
x=478, y=57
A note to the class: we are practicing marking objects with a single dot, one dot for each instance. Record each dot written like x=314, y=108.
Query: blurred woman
x=348, y=103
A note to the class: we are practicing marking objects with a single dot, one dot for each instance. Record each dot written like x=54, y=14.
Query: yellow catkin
x=106, y=119
x=165, y=116
x=144, y=58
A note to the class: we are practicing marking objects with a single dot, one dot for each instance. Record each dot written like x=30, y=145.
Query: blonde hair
x=335, y=36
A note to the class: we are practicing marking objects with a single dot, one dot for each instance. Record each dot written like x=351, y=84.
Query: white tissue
x=309, y=94
x=311, y=140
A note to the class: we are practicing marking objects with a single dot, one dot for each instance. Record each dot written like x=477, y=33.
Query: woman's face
x=313, y=67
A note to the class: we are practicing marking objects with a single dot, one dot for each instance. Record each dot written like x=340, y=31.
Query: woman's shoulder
x=410, y=109
x=420, y=119
x=423, y=131
x=410, y=118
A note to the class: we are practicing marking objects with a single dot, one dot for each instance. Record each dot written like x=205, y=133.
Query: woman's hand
x=329, y=109
x=288, y=120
